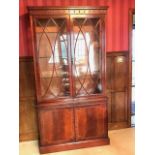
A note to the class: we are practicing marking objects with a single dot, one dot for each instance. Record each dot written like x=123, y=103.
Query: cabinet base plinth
x=73, y=145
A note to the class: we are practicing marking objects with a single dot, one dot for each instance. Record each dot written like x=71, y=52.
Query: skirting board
x=74, y=145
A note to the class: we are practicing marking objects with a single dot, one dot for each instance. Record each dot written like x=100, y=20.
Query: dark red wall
x=117, y=21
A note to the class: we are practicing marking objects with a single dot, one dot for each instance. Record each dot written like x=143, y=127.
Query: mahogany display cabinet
x=69, y=64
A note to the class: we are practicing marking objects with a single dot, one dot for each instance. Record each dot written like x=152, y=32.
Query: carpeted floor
x=121, y=143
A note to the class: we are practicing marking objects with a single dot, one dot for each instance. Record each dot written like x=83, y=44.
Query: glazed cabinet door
x=52, y=63
x=56, y=126
x=87, y=55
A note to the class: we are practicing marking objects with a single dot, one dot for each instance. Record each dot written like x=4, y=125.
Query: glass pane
x=51, y=38
x=133, y=101
x=133, y=73
x=133, y=44
x=86, y=56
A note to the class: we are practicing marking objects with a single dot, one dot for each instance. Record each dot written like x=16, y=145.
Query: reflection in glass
x=52, y=55
x=87, y=56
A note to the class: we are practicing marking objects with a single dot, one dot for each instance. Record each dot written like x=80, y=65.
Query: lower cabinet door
x=56, y=126
x=91, y=122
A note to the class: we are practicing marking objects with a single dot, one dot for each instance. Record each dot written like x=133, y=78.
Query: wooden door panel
x=109, y=67
x=119, y=107
x=117, y=76
x=109, y=106
x=27, y=101
x=120, y=73
x=26, y=78
x=90, y=122
x=56, y=126
x=27, y=120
